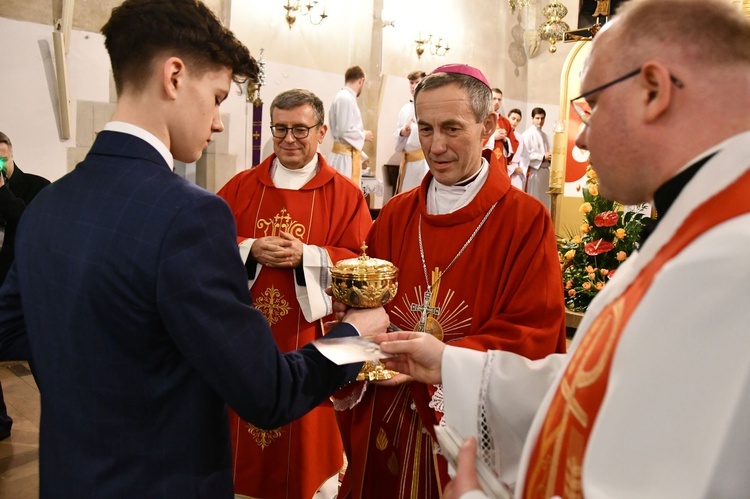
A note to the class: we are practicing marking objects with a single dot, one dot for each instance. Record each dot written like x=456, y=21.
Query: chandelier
x=554, y=28
x=315, y=13
x=517, y=4
x=438, y=47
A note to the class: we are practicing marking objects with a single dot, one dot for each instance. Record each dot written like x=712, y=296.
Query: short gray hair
x=296, y=97
x=480, y=94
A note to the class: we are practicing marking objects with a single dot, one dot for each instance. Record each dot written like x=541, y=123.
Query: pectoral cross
x=425, y=309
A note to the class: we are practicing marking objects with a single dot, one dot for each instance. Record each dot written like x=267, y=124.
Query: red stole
x=555, y=465
x=499, y=149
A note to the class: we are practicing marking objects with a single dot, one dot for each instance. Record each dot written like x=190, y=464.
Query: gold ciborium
x=365, y=282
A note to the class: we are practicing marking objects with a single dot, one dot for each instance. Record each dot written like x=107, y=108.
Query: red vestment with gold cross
x=328, y=212
x=503, y=292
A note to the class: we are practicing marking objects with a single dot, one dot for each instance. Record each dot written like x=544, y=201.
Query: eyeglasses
x=298, y=131
x=584, y=111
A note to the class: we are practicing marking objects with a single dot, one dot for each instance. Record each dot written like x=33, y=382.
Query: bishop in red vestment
x=482, y=276
x=327, y=213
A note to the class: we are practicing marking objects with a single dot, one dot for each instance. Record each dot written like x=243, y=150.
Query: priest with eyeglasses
x=296, y=216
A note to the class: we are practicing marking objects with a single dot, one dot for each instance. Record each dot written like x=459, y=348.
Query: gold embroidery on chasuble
x=565, y=431
x=451, y=320
x=272, y=305
x=381, y=442
x=263, y=438
x=281, y=222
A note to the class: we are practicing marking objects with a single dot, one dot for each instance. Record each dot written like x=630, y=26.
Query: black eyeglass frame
x=582, y=114
x=292, y=128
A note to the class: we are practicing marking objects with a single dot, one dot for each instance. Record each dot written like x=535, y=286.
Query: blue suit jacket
x=129, y=289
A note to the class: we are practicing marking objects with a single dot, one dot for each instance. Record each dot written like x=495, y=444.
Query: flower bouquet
x=607, y=236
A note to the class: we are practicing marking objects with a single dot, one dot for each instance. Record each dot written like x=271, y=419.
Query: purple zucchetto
x=463, y=69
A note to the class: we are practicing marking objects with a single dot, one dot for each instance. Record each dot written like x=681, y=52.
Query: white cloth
x=537, y=183
x=673, y=422
x=442, y=199
x=312, y=298
x=520, y=159
x=415, y=170
x=345, y=122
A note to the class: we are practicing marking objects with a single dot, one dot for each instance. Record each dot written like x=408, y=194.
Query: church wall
x=28, y=92
x=309, y=56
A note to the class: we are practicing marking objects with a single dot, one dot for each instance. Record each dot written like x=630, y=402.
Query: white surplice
x=537, y=183
x=674, y=419
x=345, y=123
x=520, y=159
x=415, y=170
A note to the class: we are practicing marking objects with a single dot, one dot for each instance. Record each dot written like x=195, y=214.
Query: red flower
x=606, y=219
x=598, y=247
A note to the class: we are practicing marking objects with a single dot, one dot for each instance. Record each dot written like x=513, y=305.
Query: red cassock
x=329, y=212
x=503, y=292
x=499, y=149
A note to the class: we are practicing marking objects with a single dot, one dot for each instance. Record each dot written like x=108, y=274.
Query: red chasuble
x=555, y=465
x=329, y=212
x=499, y=149
x=504, y=292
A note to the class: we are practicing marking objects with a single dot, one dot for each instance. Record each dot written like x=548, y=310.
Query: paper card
x=350, y=349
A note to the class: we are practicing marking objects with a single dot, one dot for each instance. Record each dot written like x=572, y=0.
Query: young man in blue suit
x=129, y=294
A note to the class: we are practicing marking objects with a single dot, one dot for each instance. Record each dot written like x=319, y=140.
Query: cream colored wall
x=482, y=33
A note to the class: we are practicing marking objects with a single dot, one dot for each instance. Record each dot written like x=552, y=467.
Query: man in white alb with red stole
x=478, y=269
x=654, y=399
x=295, y=216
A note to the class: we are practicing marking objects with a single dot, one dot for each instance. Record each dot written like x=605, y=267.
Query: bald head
x=685, y=58
x=705, y=31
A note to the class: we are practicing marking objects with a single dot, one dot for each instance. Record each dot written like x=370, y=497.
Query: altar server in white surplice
x=653, y=398
x=345, y=120
x=412, y=166
x=540, y=154
x=518, y=163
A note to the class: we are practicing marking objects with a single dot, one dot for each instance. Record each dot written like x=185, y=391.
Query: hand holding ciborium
x=365, y=282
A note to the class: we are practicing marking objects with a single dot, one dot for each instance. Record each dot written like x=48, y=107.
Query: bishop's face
x=449, y=133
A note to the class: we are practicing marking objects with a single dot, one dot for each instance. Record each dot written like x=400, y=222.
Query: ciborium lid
x=364, y=266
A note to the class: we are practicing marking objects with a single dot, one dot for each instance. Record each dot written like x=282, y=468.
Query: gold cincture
x=365, y=282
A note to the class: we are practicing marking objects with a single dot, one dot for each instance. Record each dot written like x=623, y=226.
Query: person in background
x=518, y=163
x=413, y=166
x=129, y=294
x=17, y=189
x=296, y=217
x=349, y=134
x=503, y=140
x=653, y=399
x=538, y=144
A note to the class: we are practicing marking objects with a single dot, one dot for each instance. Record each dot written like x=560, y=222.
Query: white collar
x=286, y=178
x=443, y=199
x=145, y=135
